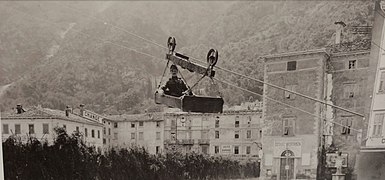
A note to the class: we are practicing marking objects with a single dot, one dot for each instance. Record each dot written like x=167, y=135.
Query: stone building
x=294, y=142
x=40, y=123
x=371, y=162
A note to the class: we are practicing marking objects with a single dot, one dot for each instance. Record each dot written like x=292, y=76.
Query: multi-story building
x=235, y=134
x=295, y=142
x=142, y=130
x=40, y=123
x=372, y=156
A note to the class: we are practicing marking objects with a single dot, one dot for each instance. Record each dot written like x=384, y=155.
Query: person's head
x=174, y=71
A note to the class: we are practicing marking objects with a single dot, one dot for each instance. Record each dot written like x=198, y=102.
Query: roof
x=358, y=45
x=296, y=53
x=46, y=113
x=136, y=117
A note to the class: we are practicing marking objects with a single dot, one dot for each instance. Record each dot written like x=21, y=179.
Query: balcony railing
x=204, y=141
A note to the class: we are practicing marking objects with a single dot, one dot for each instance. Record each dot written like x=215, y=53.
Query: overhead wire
x=233, y=72
x=134, y=50
x=288, y=105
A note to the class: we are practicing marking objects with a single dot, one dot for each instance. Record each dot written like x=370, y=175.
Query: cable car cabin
x=200, y=104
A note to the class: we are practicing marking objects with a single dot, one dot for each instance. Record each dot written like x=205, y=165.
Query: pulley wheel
x=171, y=43
x=212, y=57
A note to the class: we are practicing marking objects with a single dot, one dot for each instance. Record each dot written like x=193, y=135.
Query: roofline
x=296, y=53
x=58, y=118
x=350, y=53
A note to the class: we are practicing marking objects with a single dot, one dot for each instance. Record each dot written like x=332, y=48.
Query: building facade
x=295, y=143
x=372, y=156
x=142, y=130
x=233, y=134
x=40, y=123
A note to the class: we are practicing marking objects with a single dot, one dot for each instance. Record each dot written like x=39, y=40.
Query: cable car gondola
x=189, y=102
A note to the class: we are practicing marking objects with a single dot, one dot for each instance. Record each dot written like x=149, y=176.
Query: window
x=217, y=122
x=173, y=136
x=92, y=133
x=248, y=149
x=115, y=125
x=141, y=136
x=237, y=123
x=115, y=136
x=104, y=130
x=132, y=125
x=17, y=129
x=157, y=135
x=205, y=149
x=236, y=149
x=216, y=149
x=377, y=125
x=352, y=64
x=85, y=132
x=141, y=124
x=381, y=88
x=157, y=124
x=248, y=121
x=216, y=134
x=104, y=141
x=291, y=65
x=349, y=90
x=109, y=131
x=289, y=95
x=65, y=127
x=347, y=122
x=157, y=149
x=5, y=129
x=31, y=129
x=99, y=134
x=77, y=128
x=132, y=135
x=236, y=135
x=288, y=126
x=248, y=134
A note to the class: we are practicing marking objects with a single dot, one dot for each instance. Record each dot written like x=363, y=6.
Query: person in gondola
x=175, y=85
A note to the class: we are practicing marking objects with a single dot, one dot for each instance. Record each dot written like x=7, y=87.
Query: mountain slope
x=58, y=66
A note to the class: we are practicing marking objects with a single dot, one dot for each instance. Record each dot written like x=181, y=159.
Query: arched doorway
x=287, y=165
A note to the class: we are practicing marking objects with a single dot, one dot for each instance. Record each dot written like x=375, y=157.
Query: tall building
x=40, y=123
x=372, y=157
x=295, y=143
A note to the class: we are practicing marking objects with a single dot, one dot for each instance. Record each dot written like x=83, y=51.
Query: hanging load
x=177, y=94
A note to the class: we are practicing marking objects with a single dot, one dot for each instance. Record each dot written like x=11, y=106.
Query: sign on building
x=281, y=146
x=226, y=149
x=331, y=160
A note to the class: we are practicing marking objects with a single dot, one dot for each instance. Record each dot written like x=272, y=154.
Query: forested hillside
x=50, y=63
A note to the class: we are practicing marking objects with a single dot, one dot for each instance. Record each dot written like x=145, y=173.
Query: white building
x=141, y=130
x=40, y=123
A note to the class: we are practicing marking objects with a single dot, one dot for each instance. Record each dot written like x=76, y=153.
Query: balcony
x=204, y=141
x=180, y=141
x=186, y=141
x=169, y=141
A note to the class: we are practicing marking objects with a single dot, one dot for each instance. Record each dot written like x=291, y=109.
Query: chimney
x=19, y=109
x=81, y=109
x=68, y=110
x=339, y=28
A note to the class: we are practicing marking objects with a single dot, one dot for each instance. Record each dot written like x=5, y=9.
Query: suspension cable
x=146, y=54
x=227, y=83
